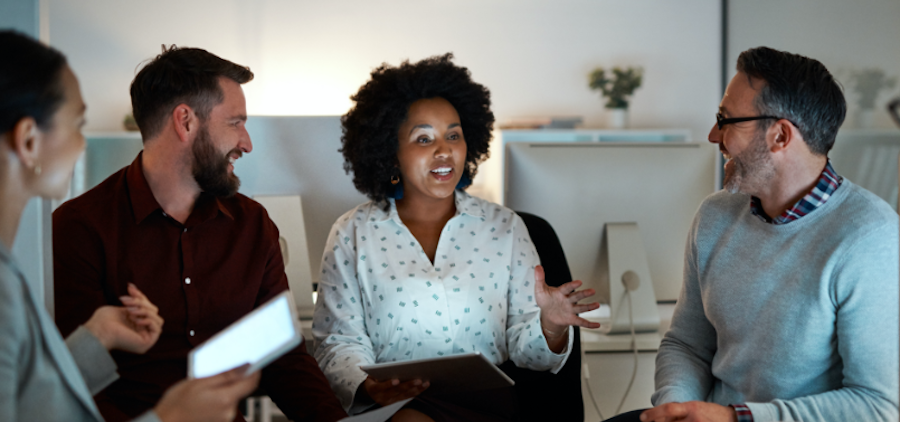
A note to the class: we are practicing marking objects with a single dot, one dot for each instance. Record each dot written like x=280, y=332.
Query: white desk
x=609, y=362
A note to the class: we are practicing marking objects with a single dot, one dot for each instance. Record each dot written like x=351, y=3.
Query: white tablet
x=447, y=374
x=258, y=338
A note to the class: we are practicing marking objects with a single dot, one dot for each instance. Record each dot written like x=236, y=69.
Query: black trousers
x=497, y=405
x=632, y=416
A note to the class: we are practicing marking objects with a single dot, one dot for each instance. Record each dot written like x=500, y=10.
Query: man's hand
x=392, y=391
x=133, y=328
x=692, y=411
x=559, y=305
x=213, y=399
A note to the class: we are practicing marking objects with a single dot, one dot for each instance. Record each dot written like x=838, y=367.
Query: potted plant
x=617, y=87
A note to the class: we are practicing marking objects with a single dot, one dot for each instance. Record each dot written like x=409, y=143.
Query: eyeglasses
x=894, y=108
x=722, y=121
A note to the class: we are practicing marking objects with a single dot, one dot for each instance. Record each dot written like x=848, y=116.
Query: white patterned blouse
x=382, y=300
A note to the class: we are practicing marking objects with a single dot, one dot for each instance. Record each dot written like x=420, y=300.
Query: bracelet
x=551, y=334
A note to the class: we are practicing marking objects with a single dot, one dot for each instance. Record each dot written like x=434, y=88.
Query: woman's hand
x=133, y=328
x=207, y=399
x=392, y=391
x=560, y=308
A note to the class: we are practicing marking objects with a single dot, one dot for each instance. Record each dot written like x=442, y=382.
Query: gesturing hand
x=392, y=391
x=133, y=328
x=692, y=411
x=559, y=305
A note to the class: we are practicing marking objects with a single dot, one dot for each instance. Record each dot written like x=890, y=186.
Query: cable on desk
x=633, y=348
x=587, y=382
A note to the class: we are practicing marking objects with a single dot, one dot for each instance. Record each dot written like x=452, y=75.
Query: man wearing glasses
x=789, y=308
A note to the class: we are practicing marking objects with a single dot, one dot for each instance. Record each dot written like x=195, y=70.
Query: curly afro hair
x=370, y=128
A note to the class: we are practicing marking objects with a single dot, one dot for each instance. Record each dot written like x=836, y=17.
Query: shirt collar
x=828, y=183
x=143, y=203
x=465, y=205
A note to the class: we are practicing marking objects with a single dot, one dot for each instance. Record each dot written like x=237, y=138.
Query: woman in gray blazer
x=42, y=377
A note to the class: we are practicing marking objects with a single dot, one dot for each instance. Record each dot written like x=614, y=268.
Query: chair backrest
x=544, y=396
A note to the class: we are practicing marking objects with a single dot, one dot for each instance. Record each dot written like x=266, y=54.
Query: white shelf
x=594, y=341
x=596, y=135
x=113, y=135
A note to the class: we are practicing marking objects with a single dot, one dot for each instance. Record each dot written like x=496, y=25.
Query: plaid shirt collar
x=828, y=183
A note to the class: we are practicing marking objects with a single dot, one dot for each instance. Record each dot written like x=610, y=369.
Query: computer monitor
x=580, y=187
x=298, y=155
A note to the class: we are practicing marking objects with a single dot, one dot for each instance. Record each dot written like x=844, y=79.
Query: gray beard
x=752, y=169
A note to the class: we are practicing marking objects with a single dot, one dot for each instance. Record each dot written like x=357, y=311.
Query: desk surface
x=593, y=341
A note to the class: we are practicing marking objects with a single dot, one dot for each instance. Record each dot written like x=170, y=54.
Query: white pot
x=617, y=118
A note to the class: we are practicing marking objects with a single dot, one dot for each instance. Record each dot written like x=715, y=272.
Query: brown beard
x=211, y=169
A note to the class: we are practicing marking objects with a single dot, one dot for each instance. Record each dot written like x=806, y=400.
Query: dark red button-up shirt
x=224, y=261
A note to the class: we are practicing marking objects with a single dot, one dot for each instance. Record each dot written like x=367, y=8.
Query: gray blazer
x=43, y=378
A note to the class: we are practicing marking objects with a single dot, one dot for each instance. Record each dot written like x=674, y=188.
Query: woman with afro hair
x=425, y=270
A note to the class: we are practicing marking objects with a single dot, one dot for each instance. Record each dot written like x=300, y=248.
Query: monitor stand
x=624, y=272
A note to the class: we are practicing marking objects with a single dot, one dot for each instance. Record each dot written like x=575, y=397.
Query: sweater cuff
x=763, y=412
x=743, y=412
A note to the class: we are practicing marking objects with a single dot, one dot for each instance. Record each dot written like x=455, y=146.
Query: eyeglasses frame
x=721, y=121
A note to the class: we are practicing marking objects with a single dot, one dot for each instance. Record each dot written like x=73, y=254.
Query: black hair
x=180, y=76
x=799, y=89
x=30, y=80
x=370, y=128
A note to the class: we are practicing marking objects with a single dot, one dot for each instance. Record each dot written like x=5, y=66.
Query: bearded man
x=173, y=224
x=789, y=308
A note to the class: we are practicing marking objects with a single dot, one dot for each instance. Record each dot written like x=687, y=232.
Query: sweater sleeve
x=865, y=290
x=684, y=361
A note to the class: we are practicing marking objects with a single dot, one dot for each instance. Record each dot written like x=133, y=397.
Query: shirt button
x=187, y=280
x=185, y=229
x=164, y=214
x=192, y=333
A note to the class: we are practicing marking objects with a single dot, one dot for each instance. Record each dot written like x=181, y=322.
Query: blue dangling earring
x=397, y=192
x=464, y=181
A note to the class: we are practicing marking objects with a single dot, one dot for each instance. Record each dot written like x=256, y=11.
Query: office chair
x=545, y=396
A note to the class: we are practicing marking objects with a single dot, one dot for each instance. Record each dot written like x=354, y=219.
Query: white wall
x=843, y=35
x=310, y=56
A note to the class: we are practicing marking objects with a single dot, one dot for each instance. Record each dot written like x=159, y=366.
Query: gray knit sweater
x=799, y=321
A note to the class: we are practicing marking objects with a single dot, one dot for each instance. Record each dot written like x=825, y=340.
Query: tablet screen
x=258, y=338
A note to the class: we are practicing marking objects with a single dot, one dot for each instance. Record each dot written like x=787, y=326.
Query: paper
x=377, y=415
